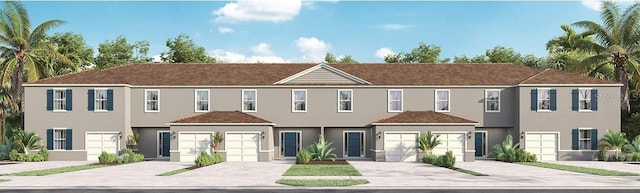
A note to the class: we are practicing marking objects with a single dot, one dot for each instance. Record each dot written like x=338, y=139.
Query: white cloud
x=227, y=56
x=156, y=58
x=596, y=5
x=312, y=49
x=262, y=49
x=258, y=10
x=262, y=53
x=224, y=30
x=393, y=26
x=382, y=52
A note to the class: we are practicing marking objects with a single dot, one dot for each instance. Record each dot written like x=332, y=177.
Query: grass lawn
x=4, y=180
x=579, y=169
x=318, y=183
x=174, y=172
x=470, y=172
x=55, y=170
x=322, y=170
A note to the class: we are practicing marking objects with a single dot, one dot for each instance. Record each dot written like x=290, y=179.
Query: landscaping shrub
x=107, y=158
x=447, y=160
x=322, y=150
x=44, y=153
x=429, y=158
x=36, y=157
x=636, y=156
x=628, y=158
x=204, y=159
x=217, y=157
x=303, y=157
x=137, y=157
x=13, y=155
x=124, y=159
x=602, y=155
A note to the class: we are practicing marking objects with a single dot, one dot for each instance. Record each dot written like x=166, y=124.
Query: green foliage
x=73, y=47
x=303, y=156
x=183, y=50
x=429, y=158
x=120, y=52
x=500, y=54
x=427, y=141
x=635, y=156
x=508, y=152
x=216, y=140
x=422, y=54
x=602, y=155
x=26, y=141
x=321, y=150
x=634, y=146
x=613, y=140
x=5, y=148
x=204, y=159
x=133, y=139
x=44, y=153
x=447, y=160
x=107, y=158
x=330, y=59
x=217, y=158
x=13, y=155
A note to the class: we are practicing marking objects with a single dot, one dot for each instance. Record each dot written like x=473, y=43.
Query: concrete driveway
x=619, y=166
x=28, y=166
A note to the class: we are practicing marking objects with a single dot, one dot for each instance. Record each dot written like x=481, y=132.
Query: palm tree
x=613, y=140
x=564, y=51
x=616, y=44
x=22, y=47
x=427, y=141
x=26, y=142
x=6, y=106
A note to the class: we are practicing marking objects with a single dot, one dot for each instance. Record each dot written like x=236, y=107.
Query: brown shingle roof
x=268, y=74
x=222, y=117
x=552, y=76
x=423, y=117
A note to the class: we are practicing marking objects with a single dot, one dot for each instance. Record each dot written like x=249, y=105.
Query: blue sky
x=295, y=31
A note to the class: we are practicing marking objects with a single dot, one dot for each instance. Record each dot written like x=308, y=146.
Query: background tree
x=422, y=54
x=22, y=47
x=183, y=50
x=72, y=46
x=616, y=44
x=330, y=59
x=565, y=52
x=120, y=52
x=500, y=54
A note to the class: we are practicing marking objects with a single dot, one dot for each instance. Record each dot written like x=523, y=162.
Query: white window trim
x=363, y=150
x=280, y=135
x=195, y=100
x=486, y=102
x=255, y=100
x=579, y=93
x=64, y=108
x=351, y=101
x=95, y=100
x=53, y=148
x=389, y=100
x=145, y=100
x=538, y=101
x=580, y=137
x=293, y=101
x=435, y=101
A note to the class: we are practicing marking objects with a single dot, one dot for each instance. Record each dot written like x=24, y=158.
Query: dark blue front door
x=354, y=141
x=166, y=141
x=479, y=144
x=290, y=144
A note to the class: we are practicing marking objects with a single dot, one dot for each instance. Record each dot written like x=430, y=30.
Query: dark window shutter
x=69, y=99
x=574, y=100
x=69, y=139
x=49, y=139
x=575, y=134
x=534, y=99
x=594, y=99
x=49, y=99
x=110, y=99
x=552, y=95
x=594, y=139
x=90, y=100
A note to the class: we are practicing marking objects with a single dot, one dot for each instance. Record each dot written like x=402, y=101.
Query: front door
x=290, y=143
x=354, y=144
x=481, y=144
x=164, y=141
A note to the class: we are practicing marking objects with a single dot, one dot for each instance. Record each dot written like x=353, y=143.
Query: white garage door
x=543, y=145
x=242, y=147
x=99, y=142
x=191, y=144
x=453, y=142
x=400, y=147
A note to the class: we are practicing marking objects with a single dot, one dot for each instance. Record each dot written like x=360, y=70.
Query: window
x=584, y=100
x=492, y=100
x=59, y=100
x=544, y=99
x=442, y=100
x=100, y=99
x=202, y=100
x=345, y=99
x=249, y=100
x=585, y=138
x=299, y=99
x=395, y=101
x=152, y=100
x=59, y=139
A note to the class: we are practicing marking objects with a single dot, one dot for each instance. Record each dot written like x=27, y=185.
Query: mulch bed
x=193, y=167
x=328, y=162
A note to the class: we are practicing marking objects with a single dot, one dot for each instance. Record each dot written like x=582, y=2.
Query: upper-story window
x=584, y=99
x=442, y=100
x=249, y=100
x=299, y=100
x=152, y=100
x=100, y=99
x=394, y=100
x=492, y=100
x=202, y=100
x=345, y=100
x=59, y=100
x=544, y=99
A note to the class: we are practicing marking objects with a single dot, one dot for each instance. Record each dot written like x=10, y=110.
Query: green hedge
x=42, y=155
x=204, y=159
x=109, y=158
